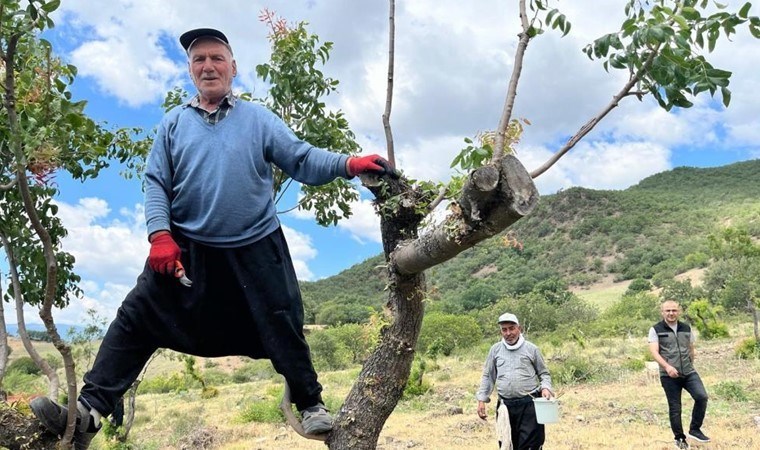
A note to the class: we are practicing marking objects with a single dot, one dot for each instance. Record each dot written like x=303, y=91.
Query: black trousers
x=673, y=387
x=527, y=433
x=243, y=301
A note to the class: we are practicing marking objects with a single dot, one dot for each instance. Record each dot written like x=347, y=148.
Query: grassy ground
x=620, y=408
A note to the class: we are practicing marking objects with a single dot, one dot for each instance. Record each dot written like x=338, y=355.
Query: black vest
x=674, y=347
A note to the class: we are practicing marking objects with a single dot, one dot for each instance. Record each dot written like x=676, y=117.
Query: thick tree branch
x=484, y=213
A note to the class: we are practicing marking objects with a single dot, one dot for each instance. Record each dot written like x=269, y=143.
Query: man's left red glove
x=374, y=164
x=163, y=253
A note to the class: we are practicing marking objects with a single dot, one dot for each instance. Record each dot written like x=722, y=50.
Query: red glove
x=163, y=252
x=374, y=164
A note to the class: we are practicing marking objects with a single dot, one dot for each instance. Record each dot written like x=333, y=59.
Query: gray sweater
x=514, y=372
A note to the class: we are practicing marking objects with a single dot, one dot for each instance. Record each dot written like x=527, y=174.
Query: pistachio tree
x=44, y=131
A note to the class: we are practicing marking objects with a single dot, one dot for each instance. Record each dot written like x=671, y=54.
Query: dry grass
x=626, y=410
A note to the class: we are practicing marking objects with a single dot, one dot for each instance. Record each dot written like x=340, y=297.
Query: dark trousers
x=693, y=385
x=527, y=433
x=243, y=301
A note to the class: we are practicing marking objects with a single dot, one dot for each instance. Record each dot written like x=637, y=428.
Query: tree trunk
x=499, y=202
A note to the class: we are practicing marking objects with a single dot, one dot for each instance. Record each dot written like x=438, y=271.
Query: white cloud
x=301, y=251
x=600, y=165
x=453, y=61
x=364, y=224
x=108, y=249
x=121, y=74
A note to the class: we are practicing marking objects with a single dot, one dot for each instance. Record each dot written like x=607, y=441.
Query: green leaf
x=754, y=29
x=568, y=25
x=51, y=6
x=690, y=13
x=744, y=12
x=551, y=15
x=726, y=94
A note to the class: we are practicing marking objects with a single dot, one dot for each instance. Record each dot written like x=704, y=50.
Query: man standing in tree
x=209, y=204
x=671, y=343
x=517, y=369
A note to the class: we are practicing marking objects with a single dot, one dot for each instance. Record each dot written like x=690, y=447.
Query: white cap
x=508, y=317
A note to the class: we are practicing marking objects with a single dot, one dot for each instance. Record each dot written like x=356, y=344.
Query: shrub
x=163, y=384
x=638, y=285
x=24, y=365
x=18, y=382
x=442, y=333
x=359, y=340
x=633, y=365
x=706, y=319
x=632, y=315
x=574, y=369
x=217, y=377
x=417, y=385
x=264, y=411
x=253, y=371
x=54, y=361
x=748, y=349
x=731, y=390
x=327, y=351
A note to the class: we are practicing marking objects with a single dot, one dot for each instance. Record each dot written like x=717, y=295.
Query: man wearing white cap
x=516, y=367
x=209, y=206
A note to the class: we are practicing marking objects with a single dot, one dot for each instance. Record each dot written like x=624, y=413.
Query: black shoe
x=53, y=417
x=681, y=443
x=698, y=436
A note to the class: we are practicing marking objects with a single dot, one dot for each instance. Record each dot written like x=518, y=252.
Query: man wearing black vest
x=671, y=342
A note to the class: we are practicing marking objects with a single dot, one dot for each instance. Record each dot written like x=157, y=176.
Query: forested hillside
x=653, y=230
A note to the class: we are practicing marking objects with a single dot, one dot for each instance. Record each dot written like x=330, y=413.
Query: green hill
x=577, y=237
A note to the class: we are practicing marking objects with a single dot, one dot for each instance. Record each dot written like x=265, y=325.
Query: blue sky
x=452, y=63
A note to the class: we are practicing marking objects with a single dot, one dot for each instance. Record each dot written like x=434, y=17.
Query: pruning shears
x=179, y=272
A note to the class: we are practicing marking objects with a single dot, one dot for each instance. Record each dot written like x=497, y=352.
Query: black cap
x=189, y=37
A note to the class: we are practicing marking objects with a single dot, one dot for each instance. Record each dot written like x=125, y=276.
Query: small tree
x=42, y=131
x=735, y=278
